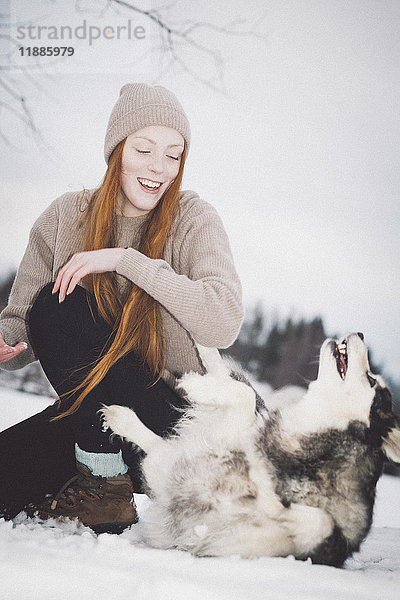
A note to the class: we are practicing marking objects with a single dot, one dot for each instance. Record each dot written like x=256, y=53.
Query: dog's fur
x=299, y=480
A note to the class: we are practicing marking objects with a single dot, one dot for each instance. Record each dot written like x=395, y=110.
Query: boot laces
x=78, y=489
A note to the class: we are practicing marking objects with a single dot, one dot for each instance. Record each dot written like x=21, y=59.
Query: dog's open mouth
x=340, y=354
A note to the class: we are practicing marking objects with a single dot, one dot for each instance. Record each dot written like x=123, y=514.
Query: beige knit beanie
x=140, y=105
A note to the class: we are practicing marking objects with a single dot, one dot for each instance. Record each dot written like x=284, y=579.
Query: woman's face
x=150, y=162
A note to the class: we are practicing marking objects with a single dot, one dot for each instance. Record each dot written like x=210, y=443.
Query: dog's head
x=352, y=393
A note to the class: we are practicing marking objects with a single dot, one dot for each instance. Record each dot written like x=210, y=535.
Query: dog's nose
x=360, y=335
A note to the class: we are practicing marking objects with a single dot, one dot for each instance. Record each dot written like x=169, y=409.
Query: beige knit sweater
x=195, y=283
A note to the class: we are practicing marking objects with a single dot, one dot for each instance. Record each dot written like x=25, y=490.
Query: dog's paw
x=116, y=418
x=307, y=526
x=200, y=388
x=125, y=423
x=219, y=392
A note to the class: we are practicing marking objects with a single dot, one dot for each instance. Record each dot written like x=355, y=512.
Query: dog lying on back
x=299, y=480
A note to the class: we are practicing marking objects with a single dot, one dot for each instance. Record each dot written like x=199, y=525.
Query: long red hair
x=137, y=322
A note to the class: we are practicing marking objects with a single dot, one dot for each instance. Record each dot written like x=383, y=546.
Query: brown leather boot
x=105, y=504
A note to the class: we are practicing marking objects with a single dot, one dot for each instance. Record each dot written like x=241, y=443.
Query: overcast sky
x=298, y=153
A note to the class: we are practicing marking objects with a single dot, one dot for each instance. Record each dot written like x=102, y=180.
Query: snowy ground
x=65, y=562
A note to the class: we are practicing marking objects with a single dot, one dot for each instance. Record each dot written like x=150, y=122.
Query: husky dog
x=299, y=480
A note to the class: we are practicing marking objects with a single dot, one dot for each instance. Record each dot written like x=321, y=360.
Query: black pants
x=37, y=455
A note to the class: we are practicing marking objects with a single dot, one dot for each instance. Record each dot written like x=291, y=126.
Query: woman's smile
x=149, y=186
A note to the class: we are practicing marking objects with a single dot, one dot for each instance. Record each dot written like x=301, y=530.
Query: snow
x=54, y=561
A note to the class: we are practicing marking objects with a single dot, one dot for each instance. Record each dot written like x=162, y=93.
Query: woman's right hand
x=8, y=352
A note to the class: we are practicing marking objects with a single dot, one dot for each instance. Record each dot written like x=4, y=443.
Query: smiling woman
x=151, y=159
x=116, y=286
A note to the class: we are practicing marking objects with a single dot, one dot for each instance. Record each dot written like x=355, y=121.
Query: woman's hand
x=83, y=263
x=8, y=352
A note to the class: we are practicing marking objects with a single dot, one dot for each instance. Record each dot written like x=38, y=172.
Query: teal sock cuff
x=105, y=464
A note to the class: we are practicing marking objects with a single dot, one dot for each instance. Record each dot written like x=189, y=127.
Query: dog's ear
x=391, y=444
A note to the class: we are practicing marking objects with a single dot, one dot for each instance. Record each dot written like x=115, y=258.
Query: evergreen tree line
x=279, y=353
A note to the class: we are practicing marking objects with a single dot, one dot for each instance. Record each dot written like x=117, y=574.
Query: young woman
x=115, y=287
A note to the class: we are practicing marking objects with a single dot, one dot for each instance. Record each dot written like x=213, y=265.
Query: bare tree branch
x=173, y=35
x=178, y=42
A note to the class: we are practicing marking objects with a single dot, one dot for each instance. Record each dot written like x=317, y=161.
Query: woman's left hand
x=83, y=263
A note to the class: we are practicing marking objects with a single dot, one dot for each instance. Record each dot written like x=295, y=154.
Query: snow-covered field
x=65, y=562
